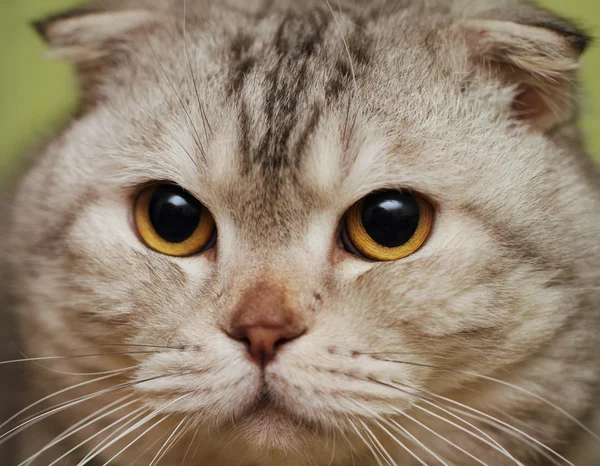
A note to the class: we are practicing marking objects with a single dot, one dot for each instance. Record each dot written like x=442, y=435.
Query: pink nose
x=263, y=341
x=265, y=321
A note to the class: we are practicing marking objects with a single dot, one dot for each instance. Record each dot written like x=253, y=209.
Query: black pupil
x=391, y=218
x=174, y=213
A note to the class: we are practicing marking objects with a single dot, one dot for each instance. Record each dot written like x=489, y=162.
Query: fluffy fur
x=278, y=116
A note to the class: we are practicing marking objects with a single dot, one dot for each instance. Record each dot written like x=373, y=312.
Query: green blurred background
x=36, y=94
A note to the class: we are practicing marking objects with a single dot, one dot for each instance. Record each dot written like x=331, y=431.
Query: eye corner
x=345, y=243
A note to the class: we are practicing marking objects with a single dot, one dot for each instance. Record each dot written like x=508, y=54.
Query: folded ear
x=94, y=40
x=538, y=58
x=85, y=35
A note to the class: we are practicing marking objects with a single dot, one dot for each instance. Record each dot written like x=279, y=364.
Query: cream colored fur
x=499, y=311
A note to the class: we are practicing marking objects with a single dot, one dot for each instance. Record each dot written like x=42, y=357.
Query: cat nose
x=265, y=321
x=264, y=339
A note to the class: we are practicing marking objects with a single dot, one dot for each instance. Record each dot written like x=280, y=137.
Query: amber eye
x=173, y=222
x=387, y=225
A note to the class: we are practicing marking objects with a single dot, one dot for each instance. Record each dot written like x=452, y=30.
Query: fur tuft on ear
x=578, y=39
x=42, y=25
x=85, y=35
x=540, y=59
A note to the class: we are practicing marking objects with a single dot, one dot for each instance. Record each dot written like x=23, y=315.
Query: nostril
x=279, y=343
x=286, y=339
x=244, y=339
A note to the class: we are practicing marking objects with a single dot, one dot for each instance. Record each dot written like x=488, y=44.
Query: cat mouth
x=267, y=404
x=266, y=408
x=269, y=409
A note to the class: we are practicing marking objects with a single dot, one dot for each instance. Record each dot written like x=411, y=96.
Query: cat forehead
x=271, y=89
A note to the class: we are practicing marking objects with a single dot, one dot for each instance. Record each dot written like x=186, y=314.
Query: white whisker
x=183, y=432
x=508, y=385
x=377, y=444
x=158, y=456
x=60, y=392
x=75, y=356
x=140, y=423
x=333, y=451
x=150, y=447
x=131, y=429
x=465, y=422
x=500, y=450
x=134, y=415
x=190, y=121
x=181, y=102
x=496, y=423
x=393, y=437
x=187, y=452
x=415, y=392
x=86, y=422
x=367, y=444
x=189, y=62
x=401, y=444
x=514, y=432
x=51, y=411
x=441, y=437
x=406, y=433
x=345, y=43
x=493, y=444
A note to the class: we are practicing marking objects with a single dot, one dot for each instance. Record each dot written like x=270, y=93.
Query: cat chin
x=270, y=430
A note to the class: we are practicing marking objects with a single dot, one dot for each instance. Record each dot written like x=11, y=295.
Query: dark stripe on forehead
x=242, y=63
x=304, y=67
x=286, y=83
x=356, y=57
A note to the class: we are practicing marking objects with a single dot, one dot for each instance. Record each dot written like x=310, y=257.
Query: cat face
x=276, y=125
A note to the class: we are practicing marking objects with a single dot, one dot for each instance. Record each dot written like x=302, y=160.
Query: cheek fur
x=467, y=302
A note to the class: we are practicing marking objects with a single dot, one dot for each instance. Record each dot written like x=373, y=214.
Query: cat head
x=317, y=216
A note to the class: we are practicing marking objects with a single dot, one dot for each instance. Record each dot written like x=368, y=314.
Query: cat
x=309, y=232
